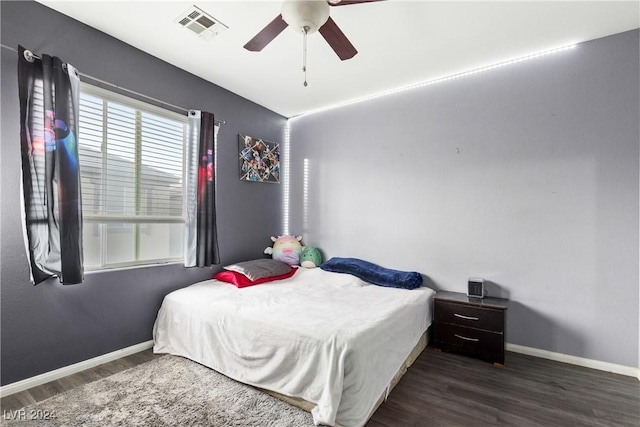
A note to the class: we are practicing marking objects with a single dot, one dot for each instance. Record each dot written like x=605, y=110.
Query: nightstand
x=472, y=326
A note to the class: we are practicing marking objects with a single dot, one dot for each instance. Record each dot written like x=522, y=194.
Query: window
x=131, y=166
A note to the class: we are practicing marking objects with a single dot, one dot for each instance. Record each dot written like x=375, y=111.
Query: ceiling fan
x=307, y=17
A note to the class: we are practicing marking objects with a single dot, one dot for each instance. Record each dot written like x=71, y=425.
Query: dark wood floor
x=36, y=394
x=443, y=389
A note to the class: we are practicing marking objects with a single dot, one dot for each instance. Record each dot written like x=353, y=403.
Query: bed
x=326, y=338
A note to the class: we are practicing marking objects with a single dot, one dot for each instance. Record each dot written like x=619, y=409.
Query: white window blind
x=131, y=165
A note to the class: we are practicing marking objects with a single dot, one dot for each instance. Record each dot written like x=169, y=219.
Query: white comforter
x=328, y=338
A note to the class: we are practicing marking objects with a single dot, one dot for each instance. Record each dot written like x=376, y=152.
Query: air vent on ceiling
x=201, y=23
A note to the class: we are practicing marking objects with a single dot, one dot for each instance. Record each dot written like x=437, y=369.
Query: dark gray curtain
x=201, y=239
x=49, y=96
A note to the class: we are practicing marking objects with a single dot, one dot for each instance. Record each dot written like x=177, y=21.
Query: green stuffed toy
x=310, y=257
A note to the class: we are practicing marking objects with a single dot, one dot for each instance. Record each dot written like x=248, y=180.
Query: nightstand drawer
x=488, y=345
x=474, y=317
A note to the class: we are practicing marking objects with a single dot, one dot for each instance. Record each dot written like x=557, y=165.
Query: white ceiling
x=399, y=42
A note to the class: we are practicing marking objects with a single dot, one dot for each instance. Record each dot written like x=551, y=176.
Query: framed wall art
x=259, y=160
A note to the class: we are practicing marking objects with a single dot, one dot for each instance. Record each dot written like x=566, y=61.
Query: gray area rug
x=168, y=391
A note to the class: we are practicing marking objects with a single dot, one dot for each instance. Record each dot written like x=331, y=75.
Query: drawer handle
x=467, y=339
x=465, y=317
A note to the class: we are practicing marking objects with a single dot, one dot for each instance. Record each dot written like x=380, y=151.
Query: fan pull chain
x=304, y=55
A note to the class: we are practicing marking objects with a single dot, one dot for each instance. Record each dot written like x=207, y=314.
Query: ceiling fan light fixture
x=306, y=16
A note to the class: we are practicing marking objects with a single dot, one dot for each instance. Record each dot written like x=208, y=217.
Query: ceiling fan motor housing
x=306, y=15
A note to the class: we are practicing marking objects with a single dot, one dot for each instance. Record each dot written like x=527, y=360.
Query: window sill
x=131, y=267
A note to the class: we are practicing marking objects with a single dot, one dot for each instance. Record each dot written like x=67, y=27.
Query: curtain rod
x=30, y=56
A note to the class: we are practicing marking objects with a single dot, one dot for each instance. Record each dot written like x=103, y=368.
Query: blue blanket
x=373, y=273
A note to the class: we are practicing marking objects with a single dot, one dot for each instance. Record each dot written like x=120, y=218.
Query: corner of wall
x=285, y=172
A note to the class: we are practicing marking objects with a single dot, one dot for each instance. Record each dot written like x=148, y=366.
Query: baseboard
x=28, y=383
x=575, y=360
x=109, y=357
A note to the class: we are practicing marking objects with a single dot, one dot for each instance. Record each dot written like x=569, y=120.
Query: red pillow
x=242, y=281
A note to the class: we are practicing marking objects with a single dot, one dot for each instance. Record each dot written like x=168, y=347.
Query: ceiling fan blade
x=348, y=2
x=337, y=40
x=267, y=34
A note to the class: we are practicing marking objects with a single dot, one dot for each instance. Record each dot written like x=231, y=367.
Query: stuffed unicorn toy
x=286, y=249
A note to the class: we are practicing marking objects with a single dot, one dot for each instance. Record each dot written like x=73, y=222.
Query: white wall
x=525, y=175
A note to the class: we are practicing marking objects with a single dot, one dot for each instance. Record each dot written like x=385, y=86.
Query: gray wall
x=50, y=326
x=526, y=175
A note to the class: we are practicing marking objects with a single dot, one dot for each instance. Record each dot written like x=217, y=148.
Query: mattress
x=327, y=338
